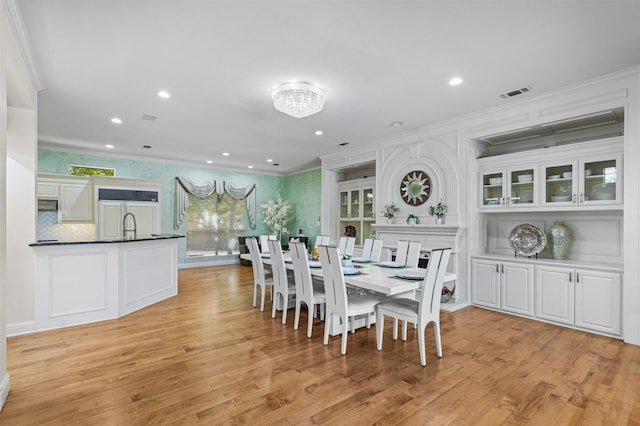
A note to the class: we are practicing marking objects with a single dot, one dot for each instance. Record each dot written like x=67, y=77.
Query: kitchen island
x=79, y=282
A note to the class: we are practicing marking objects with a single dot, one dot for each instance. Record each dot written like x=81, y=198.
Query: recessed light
x=343, y=143
x=209, y=162
x=109, y=146
x=146, y=146
x=164, y=94
x=276, y=164
x=226, y=154
x=318, y=133
x=455, y=81
x=396, y=124
x=116, y=120
x=269, y=160
x=251, y=167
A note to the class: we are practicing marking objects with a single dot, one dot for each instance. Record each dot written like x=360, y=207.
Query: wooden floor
x=206, y=356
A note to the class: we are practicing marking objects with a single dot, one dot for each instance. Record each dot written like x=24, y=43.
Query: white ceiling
x=378, y=61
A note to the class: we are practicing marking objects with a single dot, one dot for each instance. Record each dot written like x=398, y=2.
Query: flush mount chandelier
x=298, y=99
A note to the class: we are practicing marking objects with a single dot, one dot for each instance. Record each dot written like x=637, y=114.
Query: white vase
x=411, y=221
x=439, y=220
x=389, y=220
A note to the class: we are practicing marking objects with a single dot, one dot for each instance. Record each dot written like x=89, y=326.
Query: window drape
x=185, y=186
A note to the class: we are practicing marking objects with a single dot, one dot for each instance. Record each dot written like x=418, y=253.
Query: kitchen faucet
x=124, y=226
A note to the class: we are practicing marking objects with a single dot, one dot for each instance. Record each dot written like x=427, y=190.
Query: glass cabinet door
x=600, y=182
x=492, y=189
x=559, y=183
x=344, y=204
x=355, y=204
x=522, y=187
x=367, y=206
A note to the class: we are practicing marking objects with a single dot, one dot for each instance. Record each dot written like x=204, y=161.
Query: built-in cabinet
x=74, y=195
x=503, y=285
x=581, y=183
x=554, y=177
x=356, y=207
x=580, y=297
x=111, y=225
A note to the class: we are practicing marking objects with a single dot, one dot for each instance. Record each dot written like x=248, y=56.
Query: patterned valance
x=184, y=187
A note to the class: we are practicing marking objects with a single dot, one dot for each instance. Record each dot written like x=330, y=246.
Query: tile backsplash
x=49, y=228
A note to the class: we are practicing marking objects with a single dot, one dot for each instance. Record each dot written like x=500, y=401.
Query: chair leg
x=379, y=329
x=310, y=320
x=255, y=294
x=395, y=328
x=322, y=311
x=262, y=297
x=296, y=318
x=421, y=345
x=273, y=306
x=327, y=326
x=404, y=331
x=285, y=305
x=436, y=330
x=345, y=334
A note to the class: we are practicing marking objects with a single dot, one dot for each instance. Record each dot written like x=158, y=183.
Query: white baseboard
x=5, y=385
x=18, y=328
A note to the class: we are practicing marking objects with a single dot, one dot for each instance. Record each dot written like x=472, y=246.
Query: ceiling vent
x=515, y=92
x=149, y=117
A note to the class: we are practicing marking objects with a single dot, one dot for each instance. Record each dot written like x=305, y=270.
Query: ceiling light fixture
x=116, y=120
x=164, y=94
x=298, y=99
x=319, y=133
x=455, y=81
x=109, y=146
x=209, y=162
x=269, y=160
x=225, y=154
x=251, y=167
x=396, y=124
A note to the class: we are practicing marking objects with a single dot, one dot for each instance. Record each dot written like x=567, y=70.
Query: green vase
x=559, y=237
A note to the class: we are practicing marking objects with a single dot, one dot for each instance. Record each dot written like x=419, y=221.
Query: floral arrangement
x=276, y=215
x=390, y=211
x=439, y=210
x=413, y=218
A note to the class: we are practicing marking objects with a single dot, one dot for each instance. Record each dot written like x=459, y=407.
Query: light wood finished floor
x=208, y=357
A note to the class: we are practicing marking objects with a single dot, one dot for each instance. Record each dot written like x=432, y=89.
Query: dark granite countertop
x=152, y=237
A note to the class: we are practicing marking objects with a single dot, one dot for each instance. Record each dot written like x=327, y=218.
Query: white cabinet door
x=486, y=283
x=555, y=294
x=76, y=202
x=517, y=288
x=598, y=300
x=110, y=220
x=147, y=217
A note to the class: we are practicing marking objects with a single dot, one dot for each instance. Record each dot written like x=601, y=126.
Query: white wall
x=18, y=99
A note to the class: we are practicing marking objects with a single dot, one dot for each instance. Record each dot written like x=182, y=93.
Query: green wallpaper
x=302, y=190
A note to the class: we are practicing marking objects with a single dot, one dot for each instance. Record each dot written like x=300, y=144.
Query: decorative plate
x=412, y=274
x=390, y=264
x=527, y=240
x=315, y=264
x=415, y=188
x=360, y=259
x=350, y=271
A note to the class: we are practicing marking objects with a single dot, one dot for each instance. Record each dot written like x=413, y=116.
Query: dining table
x=381, y=277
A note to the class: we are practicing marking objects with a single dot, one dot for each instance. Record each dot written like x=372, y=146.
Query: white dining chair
x=420, y=312
x=260, y=279
x=376, y=251
x=342, y=245
x=264, y=246
x=408, y=253
x=306, y=292
x=341, y=309
x=282, y=288
x=350, y=246
x=321, y=240
x=366, y=249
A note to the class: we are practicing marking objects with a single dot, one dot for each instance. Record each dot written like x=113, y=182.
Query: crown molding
x=15, y=19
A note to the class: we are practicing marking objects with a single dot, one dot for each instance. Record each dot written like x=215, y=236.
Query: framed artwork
x=415, y=188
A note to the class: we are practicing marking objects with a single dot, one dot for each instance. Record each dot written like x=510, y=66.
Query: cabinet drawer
x=48, y=190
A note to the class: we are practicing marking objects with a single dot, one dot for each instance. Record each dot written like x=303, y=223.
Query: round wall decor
x=415, y=188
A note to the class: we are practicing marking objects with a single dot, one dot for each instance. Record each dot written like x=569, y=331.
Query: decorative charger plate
x=389, y=264
x=412, y=274
x=527, y=240
x=350, y=271
x=360, y=259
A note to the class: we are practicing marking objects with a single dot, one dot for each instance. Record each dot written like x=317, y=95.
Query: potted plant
x=439, y=211
x=412, y=220
x=276, y=216
x=390, y=211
